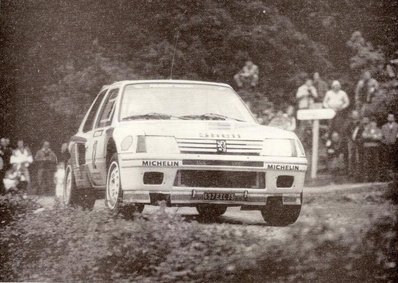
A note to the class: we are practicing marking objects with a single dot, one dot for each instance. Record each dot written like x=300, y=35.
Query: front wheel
x=277, y=214
x=211, y=211
x=72, y=196
x=114, y=192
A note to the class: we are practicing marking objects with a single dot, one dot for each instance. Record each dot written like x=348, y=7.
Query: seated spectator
x=248, y=74
x=321, y=87
x=22, y=157
x=306, y=94
x=372, y=137
x=364, y=92
x=389, y=141
x=335, y=153
x=11, y=179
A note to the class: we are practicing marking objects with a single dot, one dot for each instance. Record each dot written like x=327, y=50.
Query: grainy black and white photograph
x=198, y=141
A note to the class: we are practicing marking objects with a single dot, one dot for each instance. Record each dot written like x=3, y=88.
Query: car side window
x=89, y=123
x=107, y=110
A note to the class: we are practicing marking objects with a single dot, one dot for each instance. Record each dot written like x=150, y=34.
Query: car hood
x=202, y=129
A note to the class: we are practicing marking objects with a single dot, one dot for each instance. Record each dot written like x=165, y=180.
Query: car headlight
x=279, y=147
x=126, y=143
x=157, y=144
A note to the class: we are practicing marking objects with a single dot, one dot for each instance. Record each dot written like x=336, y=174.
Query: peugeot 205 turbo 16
x=186, y=143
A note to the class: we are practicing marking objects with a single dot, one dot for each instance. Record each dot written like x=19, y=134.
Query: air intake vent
x=153, y=178
x=284, y=181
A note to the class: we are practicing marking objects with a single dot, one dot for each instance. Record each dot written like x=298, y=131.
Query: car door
x=101, y=136
x=81, y=144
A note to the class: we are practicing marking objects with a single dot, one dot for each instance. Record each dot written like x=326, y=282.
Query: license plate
x=219, y=196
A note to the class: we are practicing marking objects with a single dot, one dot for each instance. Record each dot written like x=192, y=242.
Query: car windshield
x=182, y=101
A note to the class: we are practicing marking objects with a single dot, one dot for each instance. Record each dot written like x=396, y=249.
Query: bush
x=74, y=245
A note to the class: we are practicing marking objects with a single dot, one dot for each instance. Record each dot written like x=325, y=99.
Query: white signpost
x=315, y=115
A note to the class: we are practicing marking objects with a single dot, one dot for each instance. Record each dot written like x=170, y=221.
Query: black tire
x=114, y=192
x=277, y=214
x=74, y=197
x=211, y=210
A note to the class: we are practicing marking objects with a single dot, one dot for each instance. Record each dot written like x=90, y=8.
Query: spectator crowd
x=15, y=168
x=355, y=142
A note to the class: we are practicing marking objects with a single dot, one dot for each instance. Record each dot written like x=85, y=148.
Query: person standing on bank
x=390, y=133
x=306, y=94
x=337, y=100
x=46, y=160
x=22, y=157
x=321, y=87
x=372, y=137
x=365, y=90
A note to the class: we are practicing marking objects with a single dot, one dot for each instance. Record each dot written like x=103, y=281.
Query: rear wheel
x=211, y=211
x=114, y=192
x=72, y=196
x=277, y=214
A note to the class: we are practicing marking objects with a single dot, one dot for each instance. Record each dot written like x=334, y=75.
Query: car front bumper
x=134, y=166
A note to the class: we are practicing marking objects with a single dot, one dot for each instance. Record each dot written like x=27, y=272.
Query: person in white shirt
x=22, y=157
x=305, y=95
x=336, y=98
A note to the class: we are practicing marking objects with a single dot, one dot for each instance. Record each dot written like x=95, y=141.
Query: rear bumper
x=133, y=168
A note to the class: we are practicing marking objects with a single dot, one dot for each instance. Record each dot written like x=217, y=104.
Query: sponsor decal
x=221, y=146
x=160, y=163
x=287, y=167
x=225, y=136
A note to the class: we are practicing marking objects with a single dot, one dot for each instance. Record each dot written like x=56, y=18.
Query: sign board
x=315, y=114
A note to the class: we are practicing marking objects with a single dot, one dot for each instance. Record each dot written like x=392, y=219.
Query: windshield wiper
x=208, y=116
x=152, y=115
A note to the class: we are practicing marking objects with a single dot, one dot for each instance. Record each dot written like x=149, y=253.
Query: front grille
x=220, y=179
x=209, y=146
x=223, y=163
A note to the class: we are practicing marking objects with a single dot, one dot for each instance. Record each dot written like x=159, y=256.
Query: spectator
x=5, y=152
x=22, y=157
x=306, y=94
x=390, y=133
x=337, y=100
x=65, y=155
x=248, y=74
x=350, y=134
x=291, y=118
x=358, y=153
x=335, y=153
x=280, y=121
x=321, y=87
x=46, y=160
x=365, y=91
x=372, y=137
x=11, y=178
x=59, y=180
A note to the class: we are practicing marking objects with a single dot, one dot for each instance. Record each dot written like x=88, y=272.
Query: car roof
x=122, y=83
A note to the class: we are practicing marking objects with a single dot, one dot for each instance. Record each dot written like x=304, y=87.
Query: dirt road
x=339, y=205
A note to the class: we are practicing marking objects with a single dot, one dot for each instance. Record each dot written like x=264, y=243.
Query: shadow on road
x=220, y=220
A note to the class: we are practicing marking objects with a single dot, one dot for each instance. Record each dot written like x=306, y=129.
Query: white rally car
x=186, y=143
